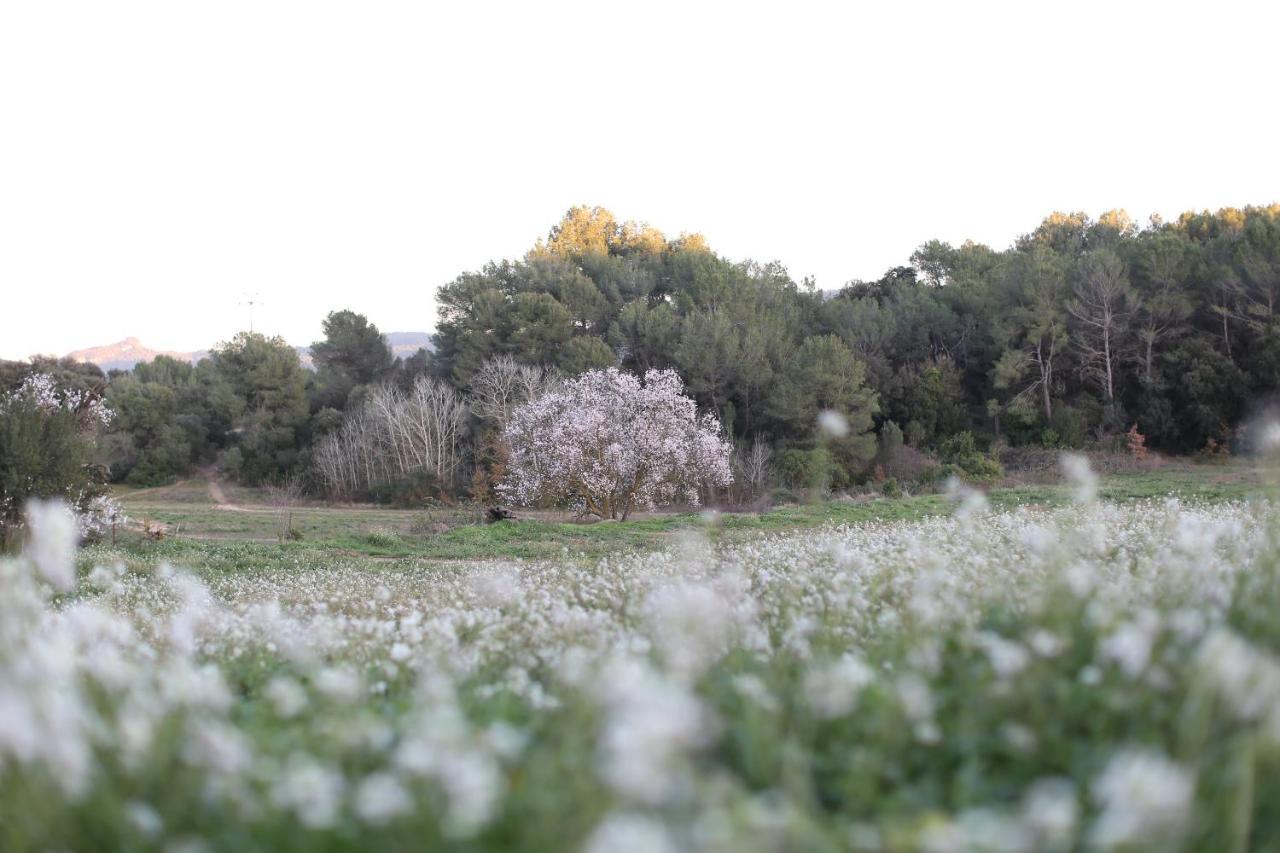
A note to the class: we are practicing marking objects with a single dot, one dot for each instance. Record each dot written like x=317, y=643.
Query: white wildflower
x=143, y=818
x=1143, y=796
x=52, y=546
x=833, y=424
x=633, y=833
x=287, y=697
x=1083, y=481
x=1247, y=678
x=652, y=723
x=381, y=798
x=311, y=790
x=832, y=689
x=691, y=623
x=340, y=684
x=1051, y=813
x=1006, y=657
x=1130, y=645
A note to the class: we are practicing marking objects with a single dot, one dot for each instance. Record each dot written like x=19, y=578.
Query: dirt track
x=219, y=497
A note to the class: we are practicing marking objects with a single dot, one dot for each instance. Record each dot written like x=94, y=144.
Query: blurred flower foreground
x=1097, y=676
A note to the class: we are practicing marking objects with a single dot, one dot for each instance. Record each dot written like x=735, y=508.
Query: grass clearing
x=391, y=533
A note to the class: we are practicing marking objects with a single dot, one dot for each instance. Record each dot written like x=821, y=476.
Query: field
x=1054, y=666
x=201, y=518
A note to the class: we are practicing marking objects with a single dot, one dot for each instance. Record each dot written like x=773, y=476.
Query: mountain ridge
x=129, y=352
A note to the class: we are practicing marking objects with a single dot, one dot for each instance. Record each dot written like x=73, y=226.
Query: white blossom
x=381, y=798
x=611, y=443
x=1081, y=477
x=52, y=545
x=1143, y=796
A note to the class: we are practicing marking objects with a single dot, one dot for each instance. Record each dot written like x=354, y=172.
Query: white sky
x=160, y=160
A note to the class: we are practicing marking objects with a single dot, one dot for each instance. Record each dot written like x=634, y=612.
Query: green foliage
x=586, y=353
x=823, y=375
x=960, y=452
x=1080, y=329
x=930, y=398
x=146, y=445
x=1208, y=393
x=891, y=441
x=1101, y=318
x=43, y=454
x=266, y=374
x=806, y=469
x=352, y=353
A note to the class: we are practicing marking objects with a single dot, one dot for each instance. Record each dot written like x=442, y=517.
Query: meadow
x=1087, y=664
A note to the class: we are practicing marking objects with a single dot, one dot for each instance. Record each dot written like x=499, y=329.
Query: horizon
x=362, y=159
x=191, y=348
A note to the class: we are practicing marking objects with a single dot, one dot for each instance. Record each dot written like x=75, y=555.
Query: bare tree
x=752, y=467
x=502, y=383
x=1102, y=305
x=392, y=434
x=283, y=497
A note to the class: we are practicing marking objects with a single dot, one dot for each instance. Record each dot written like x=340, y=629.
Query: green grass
x=204, y=533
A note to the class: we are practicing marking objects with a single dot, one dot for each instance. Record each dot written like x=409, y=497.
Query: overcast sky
x=159, y=161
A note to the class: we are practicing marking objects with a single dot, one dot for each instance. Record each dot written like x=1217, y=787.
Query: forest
x=1083, y=333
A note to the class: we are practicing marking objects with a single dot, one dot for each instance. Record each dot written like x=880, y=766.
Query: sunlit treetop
x=596, y=231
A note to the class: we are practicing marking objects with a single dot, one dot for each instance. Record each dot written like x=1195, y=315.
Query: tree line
x=1081, y=331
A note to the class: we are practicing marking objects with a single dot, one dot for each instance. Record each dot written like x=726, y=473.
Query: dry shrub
x=908, y=464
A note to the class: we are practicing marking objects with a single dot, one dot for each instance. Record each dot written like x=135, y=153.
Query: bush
x=960, y=452
x=806, y=469
x=419, y=487
x=890, y=441
x=230, y=463
x=955, y=446
x=783, y=497
x=909, y=465
x=1071, y=424
x=381, y=538
x=890, y=488
x=1136, y=443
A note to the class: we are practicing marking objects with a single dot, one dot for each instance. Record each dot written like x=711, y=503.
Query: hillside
x=125, y=354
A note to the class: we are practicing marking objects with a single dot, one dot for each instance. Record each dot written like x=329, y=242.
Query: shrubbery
x=420, y=487
x=963, y=459
x=806, y=469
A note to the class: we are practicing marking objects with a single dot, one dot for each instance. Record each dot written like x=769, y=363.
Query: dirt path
x=219, y=497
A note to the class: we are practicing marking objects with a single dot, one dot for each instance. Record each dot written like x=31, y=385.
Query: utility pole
x=251, y=300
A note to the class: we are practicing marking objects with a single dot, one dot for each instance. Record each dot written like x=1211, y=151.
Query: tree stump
x=499, y=513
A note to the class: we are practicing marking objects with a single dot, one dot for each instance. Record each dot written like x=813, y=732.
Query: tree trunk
x=1046, y=379
x=1106, y=352
x=1226, y=334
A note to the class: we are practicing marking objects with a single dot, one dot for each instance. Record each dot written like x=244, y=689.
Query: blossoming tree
x=609, y=442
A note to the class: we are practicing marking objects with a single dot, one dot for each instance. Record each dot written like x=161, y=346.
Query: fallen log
x=499, y=513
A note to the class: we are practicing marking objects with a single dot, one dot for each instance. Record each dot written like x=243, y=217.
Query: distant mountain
x=405, y=344
x=126, y=354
